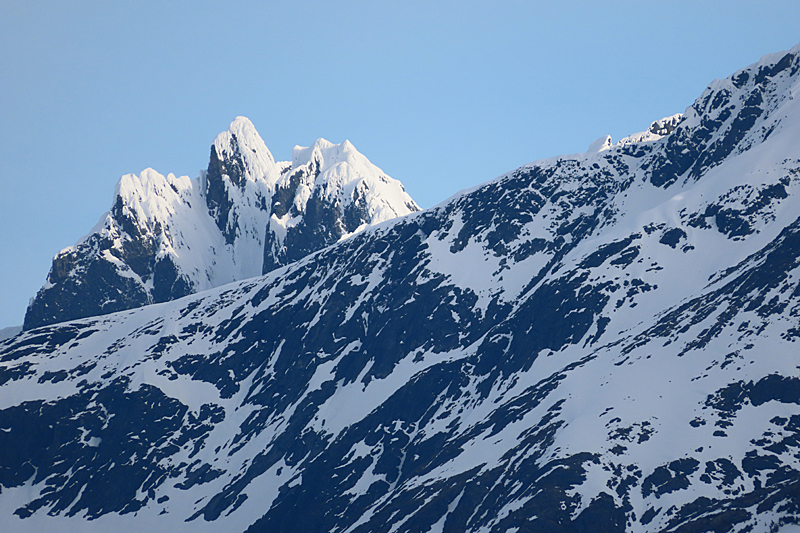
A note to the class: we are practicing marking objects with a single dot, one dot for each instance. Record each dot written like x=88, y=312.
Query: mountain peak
x=165, y=236
x=600, y=144
x=330, y=192
x=243, y=146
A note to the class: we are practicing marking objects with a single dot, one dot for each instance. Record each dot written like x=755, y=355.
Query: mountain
x=597, y=342
x=167, y=237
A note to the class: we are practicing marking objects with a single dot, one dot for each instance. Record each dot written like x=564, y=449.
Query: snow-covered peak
x=340, y=173
x=150, y=195
x=243, y=130
x=600, y=144
x=330, y=192
x=143, y=202
x=338, y=169
x=239, y=182
x=243, y=142
x=156, y=209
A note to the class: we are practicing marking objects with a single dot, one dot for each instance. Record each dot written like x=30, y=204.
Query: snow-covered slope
x=595, y=342
x=166, y=237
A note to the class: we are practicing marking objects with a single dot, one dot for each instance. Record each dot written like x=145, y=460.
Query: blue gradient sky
x=440, y=95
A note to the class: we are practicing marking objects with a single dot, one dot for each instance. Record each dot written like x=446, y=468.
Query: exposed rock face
x=588, y=343
x=167, y=237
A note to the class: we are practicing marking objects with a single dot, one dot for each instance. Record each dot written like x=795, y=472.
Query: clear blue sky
x=441, y=95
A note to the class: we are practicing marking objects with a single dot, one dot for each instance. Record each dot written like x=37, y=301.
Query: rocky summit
x=599, y=342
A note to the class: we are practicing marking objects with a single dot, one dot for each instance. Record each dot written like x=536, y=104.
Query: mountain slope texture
x=167, y=237
x=600, y=342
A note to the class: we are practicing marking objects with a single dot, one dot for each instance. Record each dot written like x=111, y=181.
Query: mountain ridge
x=593, y=342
